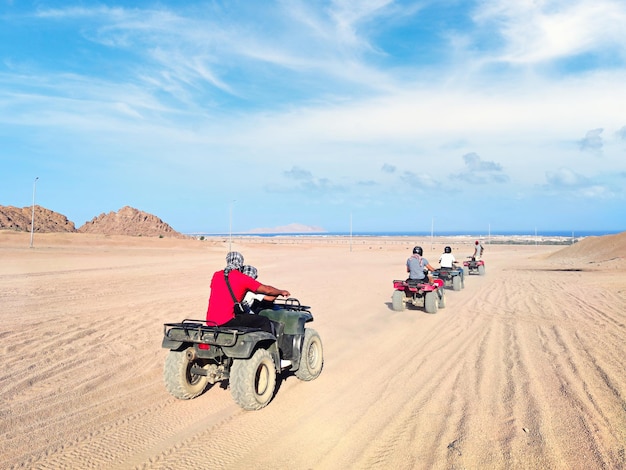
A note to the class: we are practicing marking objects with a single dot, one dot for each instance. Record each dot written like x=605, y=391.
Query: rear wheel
x=397, y=300
x=312, y=357
x=252, y=381
x=179, y=380
x=430, y=302
x=442, y=298
x=456, y=283
x=481, y=270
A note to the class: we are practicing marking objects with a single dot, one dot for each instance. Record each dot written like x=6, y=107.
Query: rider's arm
x=269, y=290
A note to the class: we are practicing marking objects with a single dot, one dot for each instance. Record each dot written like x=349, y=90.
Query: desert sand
x=523, y=369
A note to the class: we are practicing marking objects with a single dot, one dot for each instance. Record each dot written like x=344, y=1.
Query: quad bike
x=249, y=358
x=419, y=294
x=451, y=277
x=472, y=266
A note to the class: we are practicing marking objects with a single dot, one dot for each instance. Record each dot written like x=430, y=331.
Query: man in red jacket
x=221, y=303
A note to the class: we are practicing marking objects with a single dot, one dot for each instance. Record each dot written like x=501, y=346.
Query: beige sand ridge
x=524, y=368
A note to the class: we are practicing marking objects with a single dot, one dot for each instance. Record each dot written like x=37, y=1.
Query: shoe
x=284, y=363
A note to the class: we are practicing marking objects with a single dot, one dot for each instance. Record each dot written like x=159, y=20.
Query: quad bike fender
x=438, y=282
x=247, y=344
x=172, y=344
x=275, y=353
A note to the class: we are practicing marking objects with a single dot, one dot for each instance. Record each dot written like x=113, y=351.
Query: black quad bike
x=473, y=266
x=451, y=277
x=419, y=294
x=249, y=358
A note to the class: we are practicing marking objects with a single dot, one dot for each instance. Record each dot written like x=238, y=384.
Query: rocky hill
x=129, y=221
x=19, y=219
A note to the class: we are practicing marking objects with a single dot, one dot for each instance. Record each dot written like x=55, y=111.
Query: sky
x=362, y=115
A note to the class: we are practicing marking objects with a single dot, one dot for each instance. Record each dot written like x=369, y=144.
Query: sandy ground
x=524, y=368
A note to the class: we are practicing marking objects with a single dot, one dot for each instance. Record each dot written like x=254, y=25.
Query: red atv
x=474, y=267
x=419, y=294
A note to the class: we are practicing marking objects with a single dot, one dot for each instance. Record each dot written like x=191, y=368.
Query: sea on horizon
x=477, y=234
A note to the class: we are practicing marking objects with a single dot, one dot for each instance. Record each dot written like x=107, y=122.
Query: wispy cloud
x=566, y=178
x=592, y=141
x=306, y=183
x=387, y=168
x=537, y=32
x=478, y=171
x=421, y=182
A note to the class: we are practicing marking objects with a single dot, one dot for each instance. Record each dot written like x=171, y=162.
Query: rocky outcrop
x=129, y=221
x=19, y=219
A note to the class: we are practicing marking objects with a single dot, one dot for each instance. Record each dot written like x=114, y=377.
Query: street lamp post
x=32, y=220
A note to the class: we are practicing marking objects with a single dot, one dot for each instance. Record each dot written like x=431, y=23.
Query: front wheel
x=252, y=381
x=430, y=302
x=397, y=300
x=179, y=379
x=312, y=357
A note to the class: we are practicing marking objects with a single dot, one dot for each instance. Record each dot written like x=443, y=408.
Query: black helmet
x=447, y=249
x=418, y=250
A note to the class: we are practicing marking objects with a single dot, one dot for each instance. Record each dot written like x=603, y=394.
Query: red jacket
x=221, y=303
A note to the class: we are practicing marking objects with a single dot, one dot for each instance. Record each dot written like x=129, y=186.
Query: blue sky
x=471, y=114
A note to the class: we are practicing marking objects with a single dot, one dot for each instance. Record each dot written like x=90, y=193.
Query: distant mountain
x=19, y=219
x=130, y=221
x=126, y=221
x=291, y=228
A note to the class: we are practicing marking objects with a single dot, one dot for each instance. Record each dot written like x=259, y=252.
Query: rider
x=255, y=302
x=418, y=267
x=478, y=250
x=221, y=303
x=447, y=260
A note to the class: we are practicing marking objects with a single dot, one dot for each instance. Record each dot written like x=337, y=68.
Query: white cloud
x=552, y=29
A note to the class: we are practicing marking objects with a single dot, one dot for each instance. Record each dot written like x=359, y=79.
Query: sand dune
x=523, y=369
